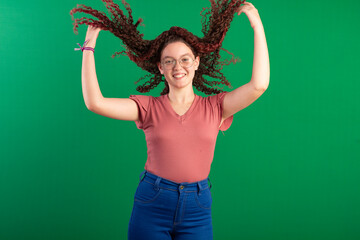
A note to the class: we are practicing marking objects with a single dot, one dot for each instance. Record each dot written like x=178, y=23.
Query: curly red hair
x=146, y=53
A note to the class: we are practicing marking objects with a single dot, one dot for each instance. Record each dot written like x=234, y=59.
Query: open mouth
x=179, y=75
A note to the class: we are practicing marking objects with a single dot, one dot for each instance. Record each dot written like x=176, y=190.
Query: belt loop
x=200, y=188
x=142, y=173
x=210, y=182
x=156, y=187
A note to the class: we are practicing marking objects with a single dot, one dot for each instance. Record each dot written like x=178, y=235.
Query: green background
x=287, y=168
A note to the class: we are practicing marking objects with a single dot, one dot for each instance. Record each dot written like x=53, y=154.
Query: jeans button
x=181, y=187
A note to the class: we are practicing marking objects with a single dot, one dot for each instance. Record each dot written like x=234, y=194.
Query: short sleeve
x=227, y=122
x=143, y=103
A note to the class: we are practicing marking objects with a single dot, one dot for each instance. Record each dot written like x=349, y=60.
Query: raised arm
x=117, y=108
x=243, y=96
x=90, y=86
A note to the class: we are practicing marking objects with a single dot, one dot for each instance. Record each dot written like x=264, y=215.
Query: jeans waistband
x=160, y=182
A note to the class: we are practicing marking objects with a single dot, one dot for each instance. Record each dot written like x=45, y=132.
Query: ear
x=197, y=62
x=160, y=68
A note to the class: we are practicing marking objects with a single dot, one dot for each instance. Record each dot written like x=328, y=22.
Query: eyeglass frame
x=177, y=60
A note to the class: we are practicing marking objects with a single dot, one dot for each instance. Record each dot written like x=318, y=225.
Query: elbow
x=260, y=83
x=261, y=88
x=264, y=86
x=91, y=106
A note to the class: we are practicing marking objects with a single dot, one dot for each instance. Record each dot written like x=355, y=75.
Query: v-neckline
x=187, y=113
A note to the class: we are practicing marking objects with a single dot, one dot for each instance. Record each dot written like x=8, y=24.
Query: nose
x=177, y=65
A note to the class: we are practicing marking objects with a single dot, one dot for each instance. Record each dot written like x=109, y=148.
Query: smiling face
x=178, y=76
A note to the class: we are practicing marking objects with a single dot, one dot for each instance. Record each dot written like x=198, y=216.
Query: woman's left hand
x=252, y=13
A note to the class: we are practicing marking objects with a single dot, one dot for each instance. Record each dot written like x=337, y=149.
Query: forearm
x=261, y=66
x=90, y=85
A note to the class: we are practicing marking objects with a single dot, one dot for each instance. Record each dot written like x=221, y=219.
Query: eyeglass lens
x=185, y=62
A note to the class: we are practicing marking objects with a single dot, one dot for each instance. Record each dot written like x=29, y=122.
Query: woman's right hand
x=92, y=34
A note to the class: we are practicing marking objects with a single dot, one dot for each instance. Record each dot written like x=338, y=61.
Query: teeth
x=179, y=75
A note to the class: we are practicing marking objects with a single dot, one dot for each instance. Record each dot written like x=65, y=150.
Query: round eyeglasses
x=185, y=62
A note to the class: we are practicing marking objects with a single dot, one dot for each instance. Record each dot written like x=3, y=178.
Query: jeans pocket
x=146, y=193
x=204, y=199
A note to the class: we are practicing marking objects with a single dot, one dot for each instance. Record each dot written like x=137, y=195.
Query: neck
x=181, y=96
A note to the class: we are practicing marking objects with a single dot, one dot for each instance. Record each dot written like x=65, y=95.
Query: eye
x=168, y=61
x=185, y=59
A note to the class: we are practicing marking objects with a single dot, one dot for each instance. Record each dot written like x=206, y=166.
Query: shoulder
x=142, y=100
x=214, y=99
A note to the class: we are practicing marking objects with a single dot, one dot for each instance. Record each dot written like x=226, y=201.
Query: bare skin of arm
x=245, y=95
x=117, y=108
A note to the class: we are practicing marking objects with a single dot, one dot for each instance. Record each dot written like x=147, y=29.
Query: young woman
x=173, y=198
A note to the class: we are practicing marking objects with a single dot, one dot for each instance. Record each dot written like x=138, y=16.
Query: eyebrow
x=180, y=56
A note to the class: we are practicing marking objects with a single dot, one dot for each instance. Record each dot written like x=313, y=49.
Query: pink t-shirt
x=180, y=148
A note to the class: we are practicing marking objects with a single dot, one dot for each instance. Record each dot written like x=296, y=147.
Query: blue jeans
x=165, y=210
